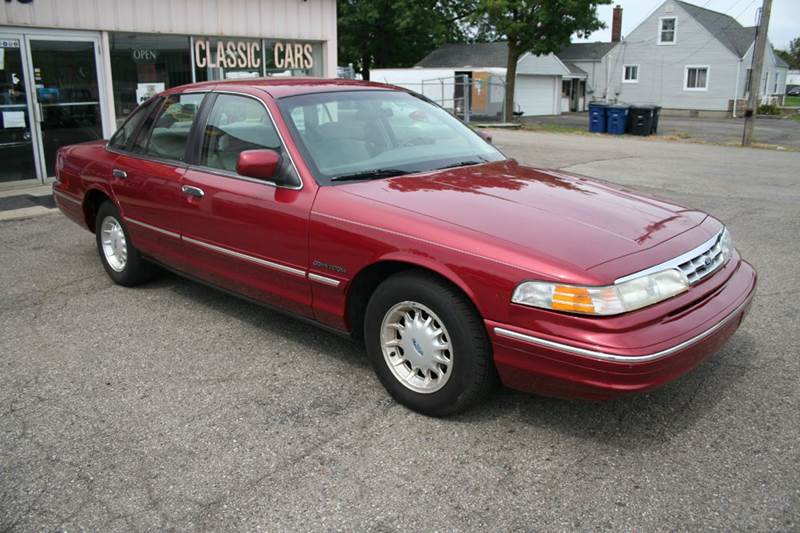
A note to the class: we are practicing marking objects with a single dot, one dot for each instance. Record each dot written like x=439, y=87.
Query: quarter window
x=630, y=73
x=666, y=30
x=124, y=135
x=236, y=124
x=696, y=79
x=169, y=133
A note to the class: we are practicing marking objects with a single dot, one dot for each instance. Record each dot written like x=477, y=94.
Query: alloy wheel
x=416, y=347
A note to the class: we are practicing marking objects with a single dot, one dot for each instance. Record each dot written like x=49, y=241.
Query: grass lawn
x=554, y=128
x=792, y=101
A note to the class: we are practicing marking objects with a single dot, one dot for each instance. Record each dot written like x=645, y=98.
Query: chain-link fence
x=478, y=97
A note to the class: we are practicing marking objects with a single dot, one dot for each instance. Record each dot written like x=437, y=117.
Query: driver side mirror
x=260, y=164
x=485, y=135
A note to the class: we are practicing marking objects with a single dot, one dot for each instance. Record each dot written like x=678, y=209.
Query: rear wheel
x=123, y=263
x=428, y=345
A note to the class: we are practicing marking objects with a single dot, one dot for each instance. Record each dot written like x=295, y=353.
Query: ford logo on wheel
x=417, y=347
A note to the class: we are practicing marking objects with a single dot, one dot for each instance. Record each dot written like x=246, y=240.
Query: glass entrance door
x=17, y=155
x=67, y=95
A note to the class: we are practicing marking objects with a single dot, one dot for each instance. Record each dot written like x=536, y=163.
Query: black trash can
x=656, y=114
x=640, y=120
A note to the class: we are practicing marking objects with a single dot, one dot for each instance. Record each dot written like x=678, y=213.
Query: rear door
x=146, y=178
x=244, y=234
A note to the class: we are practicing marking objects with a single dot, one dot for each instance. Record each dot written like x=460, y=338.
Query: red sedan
x=372, y=212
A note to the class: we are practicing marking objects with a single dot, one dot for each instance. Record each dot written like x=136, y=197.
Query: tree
x=791, y=56
x=536, y=26
x=398, y=33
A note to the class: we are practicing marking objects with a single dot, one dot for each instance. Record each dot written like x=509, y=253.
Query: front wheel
x=123, y=263
x=428, y=345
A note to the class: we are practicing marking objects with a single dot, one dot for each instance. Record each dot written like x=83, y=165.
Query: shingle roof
x=574, y=69
x=585, y=51
x=457, y=55
x=725, y=28
x=780, y=62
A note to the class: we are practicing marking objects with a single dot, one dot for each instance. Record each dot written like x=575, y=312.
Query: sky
x=783, y=27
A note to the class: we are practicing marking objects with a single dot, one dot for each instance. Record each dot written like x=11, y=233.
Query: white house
x=473, y=75
x=593, y=60
x=688, y=59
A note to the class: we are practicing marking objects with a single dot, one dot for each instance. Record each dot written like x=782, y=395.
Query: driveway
x=779, y=132
x=176, y=407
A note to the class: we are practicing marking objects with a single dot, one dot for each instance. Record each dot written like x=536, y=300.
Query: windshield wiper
x=370, y=174
x=464, y=163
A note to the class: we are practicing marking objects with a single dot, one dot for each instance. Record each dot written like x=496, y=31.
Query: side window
x=236, y=124
x=123, y=136
x=169, y=132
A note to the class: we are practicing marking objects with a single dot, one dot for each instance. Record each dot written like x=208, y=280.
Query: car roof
x=280, y=87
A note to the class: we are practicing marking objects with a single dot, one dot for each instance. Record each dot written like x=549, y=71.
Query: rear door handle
x=121, y=174
x=197, y=192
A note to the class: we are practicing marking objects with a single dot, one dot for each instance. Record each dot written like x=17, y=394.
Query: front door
x=66, y=97
x=245, y=234
x=17, y=151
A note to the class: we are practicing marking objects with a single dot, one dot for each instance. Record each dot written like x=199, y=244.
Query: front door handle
x=197, y=192
x=121, y=174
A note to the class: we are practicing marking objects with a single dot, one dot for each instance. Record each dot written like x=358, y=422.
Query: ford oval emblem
x=417, y=347
x=708, y=261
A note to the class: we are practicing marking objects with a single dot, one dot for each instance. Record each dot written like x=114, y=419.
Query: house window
x=695, y=78
x=667, y=27
x=630, y=74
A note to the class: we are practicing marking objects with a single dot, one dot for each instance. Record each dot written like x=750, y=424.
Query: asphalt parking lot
x=175, y=407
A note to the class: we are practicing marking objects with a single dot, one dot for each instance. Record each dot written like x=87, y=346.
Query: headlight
x=611, y=300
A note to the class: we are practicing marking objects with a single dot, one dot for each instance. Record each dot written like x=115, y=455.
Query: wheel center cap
x=417, y=347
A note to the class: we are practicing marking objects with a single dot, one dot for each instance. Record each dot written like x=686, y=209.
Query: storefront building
x=72, y=70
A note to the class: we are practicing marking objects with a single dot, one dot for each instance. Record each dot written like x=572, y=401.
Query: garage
x=443, y=74
x=537, y=95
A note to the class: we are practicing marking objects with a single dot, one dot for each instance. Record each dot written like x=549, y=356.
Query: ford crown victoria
x=372, y=212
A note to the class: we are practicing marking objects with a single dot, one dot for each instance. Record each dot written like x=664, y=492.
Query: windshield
x=377, y=134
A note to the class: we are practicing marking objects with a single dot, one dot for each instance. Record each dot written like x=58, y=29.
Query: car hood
x=575, y=220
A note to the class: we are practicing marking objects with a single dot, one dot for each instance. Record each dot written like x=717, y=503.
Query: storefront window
x=221, y=58
x=143, y=65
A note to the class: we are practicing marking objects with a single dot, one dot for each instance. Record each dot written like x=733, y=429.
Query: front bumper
x=558, y=366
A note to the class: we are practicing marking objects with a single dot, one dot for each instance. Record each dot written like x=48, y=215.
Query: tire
x=438, y=369
x=123, y=263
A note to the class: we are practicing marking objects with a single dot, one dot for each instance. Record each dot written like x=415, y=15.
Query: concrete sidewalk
x=25, y=199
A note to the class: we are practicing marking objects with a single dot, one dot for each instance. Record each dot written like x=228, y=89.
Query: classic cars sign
x=245, y=54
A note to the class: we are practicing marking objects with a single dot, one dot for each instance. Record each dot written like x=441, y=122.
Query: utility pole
x=755, y=73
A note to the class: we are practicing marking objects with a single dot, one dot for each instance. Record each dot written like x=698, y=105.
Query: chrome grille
x=703, y=264
x=695, y=264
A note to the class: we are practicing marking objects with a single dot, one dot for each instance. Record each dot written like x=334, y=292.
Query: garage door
x=536, y=95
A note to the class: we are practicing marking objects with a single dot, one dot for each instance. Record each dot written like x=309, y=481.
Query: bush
x=769, y=109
